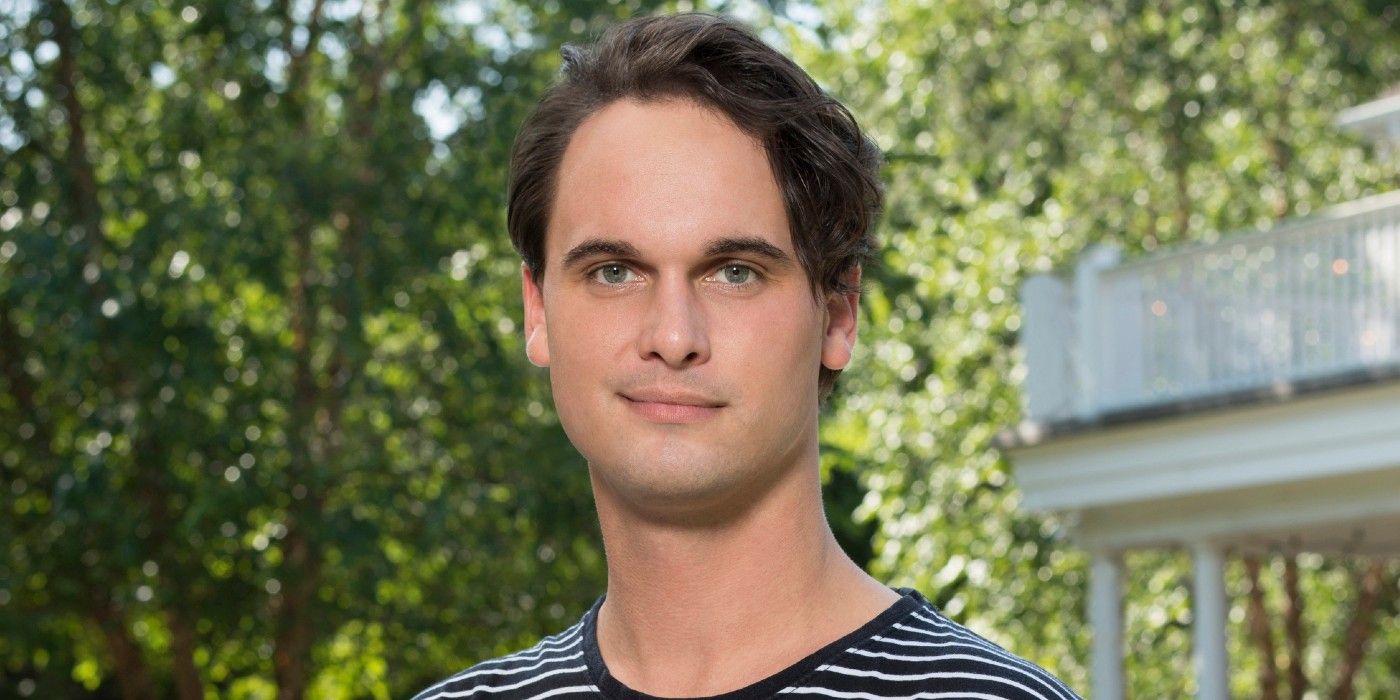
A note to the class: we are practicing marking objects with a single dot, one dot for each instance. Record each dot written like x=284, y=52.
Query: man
x=693, y=212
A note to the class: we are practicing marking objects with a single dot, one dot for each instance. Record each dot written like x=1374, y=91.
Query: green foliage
x=267, y=411
x=1016, y=134
x=260, y=352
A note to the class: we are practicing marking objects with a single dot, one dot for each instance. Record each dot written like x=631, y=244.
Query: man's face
x=681, y=333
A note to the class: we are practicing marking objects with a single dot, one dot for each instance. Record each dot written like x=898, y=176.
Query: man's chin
x=667, y=489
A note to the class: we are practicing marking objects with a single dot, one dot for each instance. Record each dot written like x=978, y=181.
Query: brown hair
x=827, y=169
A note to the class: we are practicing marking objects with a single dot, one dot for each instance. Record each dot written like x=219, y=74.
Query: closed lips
x=675, y=398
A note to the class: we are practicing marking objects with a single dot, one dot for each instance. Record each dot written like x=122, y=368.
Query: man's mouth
x=672, y=406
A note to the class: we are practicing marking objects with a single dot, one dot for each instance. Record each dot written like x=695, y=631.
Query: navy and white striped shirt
x=907, y=651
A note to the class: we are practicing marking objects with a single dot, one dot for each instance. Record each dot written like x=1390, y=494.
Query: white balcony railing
x=1305, y=299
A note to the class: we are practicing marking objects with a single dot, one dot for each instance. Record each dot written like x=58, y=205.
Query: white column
x=1106, y=619
x=1209, y=609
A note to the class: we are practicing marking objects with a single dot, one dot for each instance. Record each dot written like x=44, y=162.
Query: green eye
x=736, y=274
x=612, y=274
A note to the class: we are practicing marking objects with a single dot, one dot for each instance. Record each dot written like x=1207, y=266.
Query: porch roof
x=1032, y=433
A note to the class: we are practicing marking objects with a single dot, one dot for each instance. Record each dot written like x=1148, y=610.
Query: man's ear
x=839, y=337
x=536, y=332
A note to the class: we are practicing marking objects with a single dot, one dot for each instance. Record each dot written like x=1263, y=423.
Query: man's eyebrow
x=748, y=244
x=595, y=247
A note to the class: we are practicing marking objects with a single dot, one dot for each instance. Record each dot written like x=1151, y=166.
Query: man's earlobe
x=842, y=315
x=536, y=330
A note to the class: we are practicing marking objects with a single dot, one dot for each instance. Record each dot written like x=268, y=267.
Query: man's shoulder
x=925, y=650
x=554, y=666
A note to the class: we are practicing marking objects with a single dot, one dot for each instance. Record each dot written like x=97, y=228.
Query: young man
x=692, y=212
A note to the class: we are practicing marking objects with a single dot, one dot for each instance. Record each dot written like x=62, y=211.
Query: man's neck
x=694, y=611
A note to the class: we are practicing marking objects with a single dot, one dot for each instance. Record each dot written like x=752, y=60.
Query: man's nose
x=674, y=331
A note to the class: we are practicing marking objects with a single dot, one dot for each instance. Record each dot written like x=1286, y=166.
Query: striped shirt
x=908, y=651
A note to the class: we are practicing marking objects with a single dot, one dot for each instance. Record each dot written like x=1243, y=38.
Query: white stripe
x=969, y=657
x=911, y=643
x=965, y=644
x=535, y=652
x=927, y=676
x=984, y=644
x=534, y=655
x=978, y=642
x=558, y=637
x=473, y=672
x=930, y=633
x=817, y=690
x=512, y=686
x=487, y=666
x=561, y=691
x=914, y=643
x=953, y=628
x=543, y=647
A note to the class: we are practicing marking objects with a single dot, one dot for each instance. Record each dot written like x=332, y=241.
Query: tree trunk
x=292, y=658
x=1293, y=629
x=133, y=676
x=1373, y=588
x=300, y=571
x=84, y=190
x=299, y=576
x=188, y=686
x=1261, y=632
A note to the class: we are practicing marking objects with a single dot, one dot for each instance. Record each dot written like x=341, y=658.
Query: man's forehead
x=668, y=177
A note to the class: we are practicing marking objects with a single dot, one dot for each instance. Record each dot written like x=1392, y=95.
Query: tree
x=271, y=408
x=269, y=427
x=1016, y=134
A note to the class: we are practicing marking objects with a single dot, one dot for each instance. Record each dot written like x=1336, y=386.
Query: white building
x=1241, y=396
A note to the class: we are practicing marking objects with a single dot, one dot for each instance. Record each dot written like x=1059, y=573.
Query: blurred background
x=266, y=424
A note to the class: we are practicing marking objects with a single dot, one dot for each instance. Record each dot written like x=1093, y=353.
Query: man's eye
x=736, y=274
x=612, y=274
